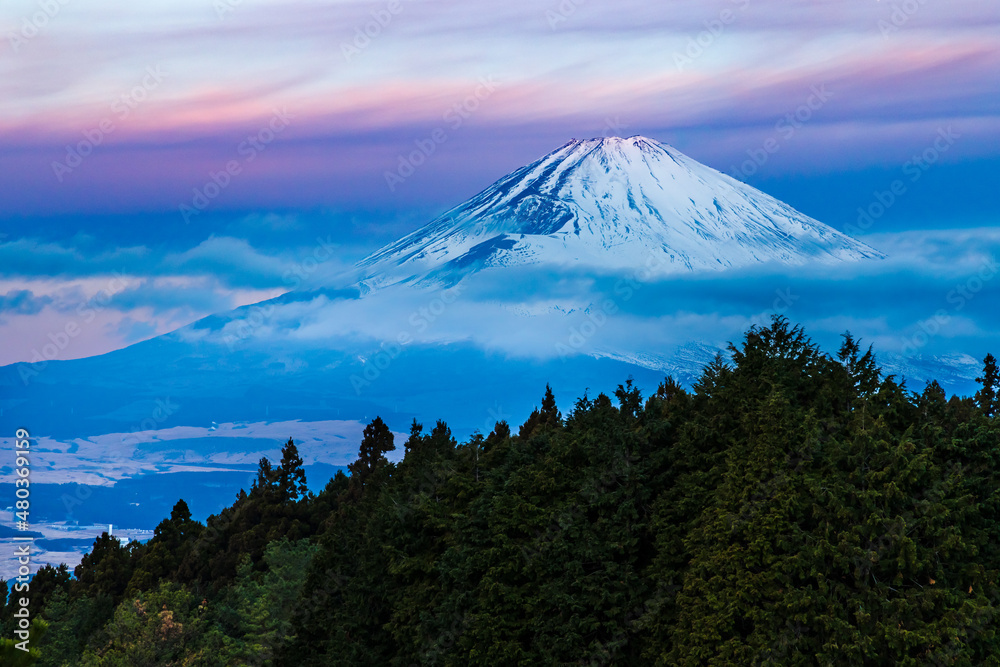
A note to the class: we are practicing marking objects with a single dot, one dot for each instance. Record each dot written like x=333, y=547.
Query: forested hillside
x=793, y=507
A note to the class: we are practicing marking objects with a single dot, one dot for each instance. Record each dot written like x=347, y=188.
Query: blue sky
x=113, y=120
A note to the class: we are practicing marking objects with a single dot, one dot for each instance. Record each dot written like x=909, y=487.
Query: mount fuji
x=611, y=204
x=533, y=258
x=605, y=259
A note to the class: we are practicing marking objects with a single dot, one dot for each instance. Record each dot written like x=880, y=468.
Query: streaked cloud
x=167, y=94
x=22, y=302
x=109, y=298
x=357, y=110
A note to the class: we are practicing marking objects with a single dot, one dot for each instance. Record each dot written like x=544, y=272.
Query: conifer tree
x=264, y=483
x=546, y=418
x=987, y=398
x=291, y=477
x=107, y=569
x=550, y=413
x=934, y=403
x=47, y=580
x=157, y=559
x=376, y=441
x=862, y=370
x=749, y=576
x=629, y=398
x=416, y=434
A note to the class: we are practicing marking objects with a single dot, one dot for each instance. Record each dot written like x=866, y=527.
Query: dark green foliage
x=548, y=417
x=72, y=622
x=987, y=398
x=12, y=656
x=256, y=611
x=46, y=582
x=376, y=441
x=108, y=568
x=157, y=559
x=792, y=508
x=277, y=507
x=6, y=608
x=862, y=370
x=291, y=477
x=158, y=627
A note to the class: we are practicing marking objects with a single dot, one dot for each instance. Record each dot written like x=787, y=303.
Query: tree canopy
x=792, y=507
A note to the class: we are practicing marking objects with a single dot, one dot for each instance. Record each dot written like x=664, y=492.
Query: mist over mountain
x=605, y=259
x=611, y=205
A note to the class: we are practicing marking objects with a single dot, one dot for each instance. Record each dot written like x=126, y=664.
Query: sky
x=167, y=160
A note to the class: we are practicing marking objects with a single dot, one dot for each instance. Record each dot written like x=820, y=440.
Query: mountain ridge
x=610, y=203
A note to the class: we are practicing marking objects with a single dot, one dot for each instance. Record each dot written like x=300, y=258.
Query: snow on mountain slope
x=613, y=204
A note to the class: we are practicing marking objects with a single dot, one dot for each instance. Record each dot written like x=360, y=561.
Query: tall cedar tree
x=987, y=398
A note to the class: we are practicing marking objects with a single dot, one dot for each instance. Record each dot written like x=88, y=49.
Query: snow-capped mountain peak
x=612, y=204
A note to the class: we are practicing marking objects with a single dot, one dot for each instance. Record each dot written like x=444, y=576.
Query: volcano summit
x=608, y=204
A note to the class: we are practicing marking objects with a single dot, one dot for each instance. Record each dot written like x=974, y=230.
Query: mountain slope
x=611, y=204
